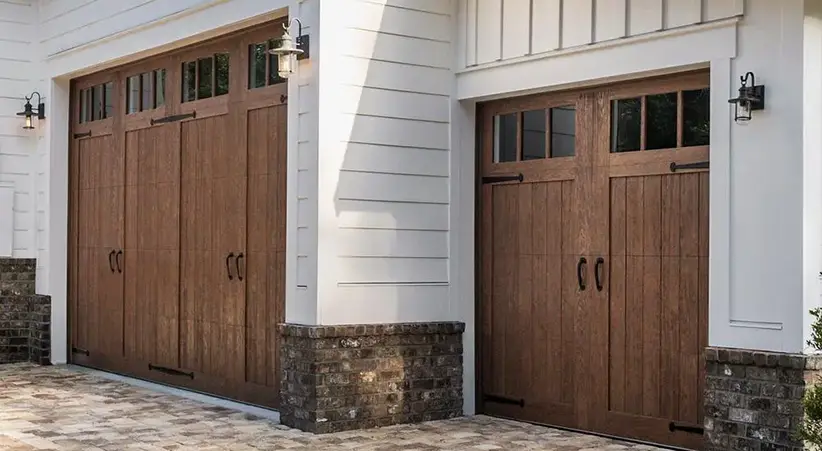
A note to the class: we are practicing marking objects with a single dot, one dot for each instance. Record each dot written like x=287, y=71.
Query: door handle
x=110, y=263
x=580, y=273
x=237, y=264
x=228, y=265
x=598, y=272
x=117, y=259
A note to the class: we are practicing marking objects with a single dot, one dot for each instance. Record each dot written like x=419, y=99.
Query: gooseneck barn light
x=29, y=111
x=290, y=49
x=751, y=98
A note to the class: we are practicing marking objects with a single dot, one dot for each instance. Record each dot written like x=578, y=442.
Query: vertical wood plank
x=489, y=31
x=679, y=13
x=650, y=304
x=669, y=297
x=618, y=311
x=689, y=294
x=577, y=22
x=610, y=19
x=634, y=201
x=516, y=36
x=722, y=9
x=570, y=295
x=471, y=32
x=645, y=16
x=488, y=341
x=525, y=279
x=553, y=233
x=545, y=25
x=704, y=215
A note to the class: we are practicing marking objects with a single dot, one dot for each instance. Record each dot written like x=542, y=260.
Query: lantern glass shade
x=27, y=112
x=285, y=64
x=28, y=125
x=286, y=53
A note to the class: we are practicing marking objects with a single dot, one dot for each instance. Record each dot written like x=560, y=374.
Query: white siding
x=560, y=24
x=384, y=157
x=19, y=193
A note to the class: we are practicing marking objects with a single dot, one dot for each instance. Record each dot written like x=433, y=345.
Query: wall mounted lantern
x=751, y=98
x=28, y=111
x=290, y=50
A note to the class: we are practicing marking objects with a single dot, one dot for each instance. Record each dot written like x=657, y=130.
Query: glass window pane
x=505, y=138
x=533, y=134
x=222, y=63
x=205, y=68
x=148, y=91
x=83, y=106
x=563, y=131
x=97, y=101
x=189, y=81
x=626, y=125
x=273, y=64
x=109, y=99
x=133, y=94
x=256, y=61
x=160, y=87
x=696, y=122
x=661, y=114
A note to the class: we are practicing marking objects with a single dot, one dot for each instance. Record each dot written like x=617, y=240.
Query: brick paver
x=58, y=408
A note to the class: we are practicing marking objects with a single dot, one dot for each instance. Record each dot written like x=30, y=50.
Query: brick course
x=337, y=378
x=25, y=318
x=753, y=399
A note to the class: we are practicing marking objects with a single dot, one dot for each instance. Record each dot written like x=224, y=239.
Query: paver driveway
x=59, y=408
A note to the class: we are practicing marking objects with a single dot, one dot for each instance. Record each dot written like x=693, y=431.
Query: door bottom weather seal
x=169, y=371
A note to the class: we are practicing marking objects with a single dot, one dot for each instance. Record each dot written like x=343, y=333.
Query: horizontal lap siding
x=500, y=30
x=390, y=140
x=22, y=195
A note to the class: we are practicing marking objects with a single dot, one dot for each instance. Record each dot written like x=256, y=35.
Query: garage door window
x=96, y=102
x=206, y=77
x=263, y=67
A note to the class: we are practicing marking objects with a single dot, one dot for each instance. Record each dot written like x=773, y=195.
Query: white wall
x=82, y=36
x=384, y=161
x=18, y=170
x=498, y=30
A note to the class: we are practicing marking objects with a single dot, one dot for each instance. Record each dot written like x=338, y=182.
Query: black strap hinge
x=503, y=178
x=80, y=351
x=174, y=118
x=169, y=371
x=698, y=165
x=503, y=400
x=673, y=426
x=82, y=135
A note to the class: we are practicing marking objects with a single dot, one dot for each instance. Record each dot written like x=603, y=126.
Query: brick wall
x=337, y=378
x=25, y=318
x=753, y=399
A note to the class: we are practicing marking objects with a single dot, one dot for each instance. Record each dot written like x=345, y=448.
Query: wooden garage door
x=178, y=174
x=594, y=263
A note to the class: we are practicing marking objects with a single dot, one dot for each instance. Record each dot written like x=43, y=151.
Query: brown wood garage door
x=177, y=218
x=594, y=258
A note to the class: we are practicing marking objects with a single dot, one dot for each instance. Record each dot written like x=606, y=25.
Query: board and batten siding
x=19, y=190
x=498, y=30
x=384, y=160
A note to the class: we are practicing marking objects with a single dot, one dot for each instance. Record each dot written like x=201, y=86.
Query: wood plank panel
x=722, y=9
x=650, y=290
x=634, y=269
x=680, y=13
x=689, y=295
x=545, y=25
x=577, y=22
x=489, y=31
x=618, y=310
x=669, y=297
x=645, y=16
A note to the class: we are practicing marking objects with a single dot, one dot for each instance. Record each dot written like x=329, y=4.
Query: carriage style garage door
x=177, y=218
x=594, y=258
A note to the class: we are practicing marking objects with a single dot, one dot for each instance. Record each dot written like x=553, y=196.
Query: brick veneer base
x=25, y=318
x=337, y=378
x=753, y=399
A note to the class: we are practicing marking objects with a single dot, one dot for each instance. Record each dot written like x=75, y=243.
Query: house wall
x=19, y=196
x=499, y=30
x=383, y=193
x=82, y=36
x=757, y=275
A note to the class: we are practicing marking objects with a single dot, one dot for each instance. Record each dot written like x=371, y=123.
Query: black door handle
x=111, y=263
x=228, y=265
x=580, y=275
x=117, y=259
x=237, y=264
x=598, y=272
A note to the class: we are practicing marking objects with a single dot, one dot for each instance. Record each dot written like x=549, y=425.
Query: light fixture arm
x=749, y=76
x=288, y=25
x=39, y=99
x=41, y=107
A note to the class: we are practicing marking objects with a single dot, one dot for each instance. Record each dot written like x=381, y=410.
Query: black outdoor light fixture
x=28, y=111
x=751, y=98
x=290, y=49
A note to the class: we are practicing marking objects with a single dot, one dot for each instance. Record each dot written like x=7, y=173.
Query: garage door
x=177, y=218
x=594, y=258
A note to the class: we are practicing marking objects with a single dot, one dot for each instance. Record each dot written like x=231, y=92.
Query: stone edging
x=763, y=359
x=366, y=330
